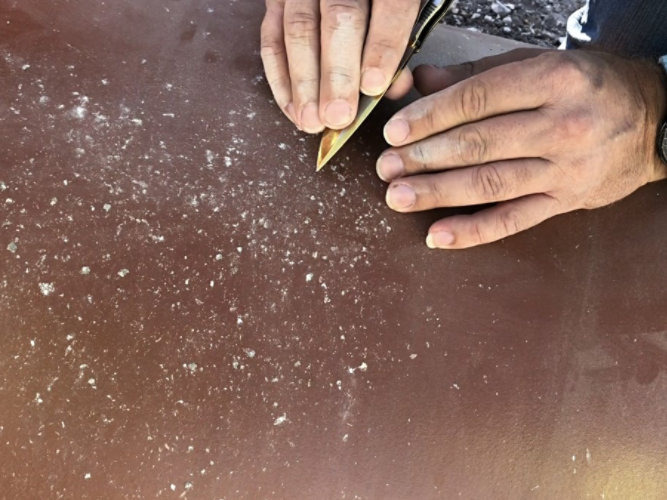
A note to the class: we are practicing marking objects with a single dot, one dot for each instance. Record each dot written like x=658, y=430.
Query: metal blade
x=333, y=140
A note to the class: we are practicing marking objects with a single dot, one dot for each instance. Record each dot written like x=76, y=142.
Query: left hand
x=538, y=133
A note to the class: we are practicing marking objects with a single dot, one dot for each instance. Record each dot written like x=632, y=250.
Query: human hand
x=536, y=133
x=312, y=54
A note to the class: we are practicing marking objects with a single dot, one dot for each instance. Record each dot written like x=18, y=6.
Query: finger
x=343, y=31
x=388, y=34
x=302, y=43
x=274, y=56
x=401, y=86
x=517, y=135
x=430, y=79
x=504, y=89
x=493, y=182
x=492, y=224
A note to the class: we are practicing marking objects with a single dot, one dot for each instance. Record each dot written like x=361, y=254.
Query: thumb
x=430, y=79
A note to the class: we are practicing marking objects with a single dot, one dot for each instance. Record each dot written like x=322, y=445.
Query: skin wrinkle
x=590, y=114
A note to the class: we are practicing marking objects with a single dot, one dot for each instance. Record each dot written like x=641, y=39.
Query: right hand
x=318, y=55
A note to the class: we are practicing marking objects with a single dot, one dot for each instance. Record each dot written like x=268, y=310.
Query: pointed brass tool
x=332, y=140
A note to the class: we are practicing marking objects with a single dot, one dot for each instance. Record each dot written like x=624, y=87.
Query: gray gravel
x=541, y=22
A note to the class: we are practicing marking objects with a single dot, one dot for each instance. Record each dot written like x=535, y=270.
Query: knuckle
x=383, y=48
x=509, y=222
x=304, y=87
x=472, y=147
x=270, y=48
x=345, y=13
x=478, y=233
x=488, y=184
x=473, y=99
x=339, y=75
x=568, y=72
x=420, y=157
x=430, y=115
x=437, y=192
x=301, y=24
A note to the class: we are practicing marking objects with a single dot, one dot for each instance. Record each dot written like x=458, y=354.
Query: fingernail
x=337, y=114
x=401, y=197
x=439, y=239
x=310, y=119
x=373, y=82
x=389, y=167
x=396, y=131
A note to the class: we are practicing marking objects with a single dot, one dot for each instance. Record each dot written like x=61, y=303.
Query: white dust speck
x=32, y=342
x=188, y=485
x=191, y=367
x=282, y=146
x=172, y=487
x=345, y=438
x=47, y=288
x=3, y=186
x=228, y=161
x=104, y=81
x=456, y=386
x=137, y=121
x=309, y=277
x=85, y=270
x=25, y=67
x=106, y=207
x=280, y=420
x=362, y=368
x=86, y=475
x=239, y=320
x=218, y=256
x=123, y=272
x=53, y=202
x=249, y=352
x=91, y=382
x=79, y=112
x=413, y=356
x=588, y=456
x=12, y=247
x=38, y=399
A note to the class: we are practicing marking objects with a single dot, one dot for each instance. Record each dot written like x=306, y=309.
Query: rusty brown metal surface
x=188, y=311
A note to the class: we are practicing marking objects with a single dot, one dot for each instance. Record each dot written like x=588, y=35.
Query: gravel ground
x=541, y=22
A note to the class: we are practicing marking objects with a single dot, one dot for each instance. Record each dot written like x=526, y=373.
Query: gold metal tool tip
x=327, y=149
x=333, y=140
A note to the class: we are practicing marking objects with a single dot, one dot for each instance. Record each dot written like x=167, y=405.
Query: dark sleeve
x=629, y=27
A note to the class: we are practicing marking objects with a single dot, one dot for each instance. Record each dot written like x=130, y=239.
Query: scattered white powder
x=280, y=420
x=249, y=352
